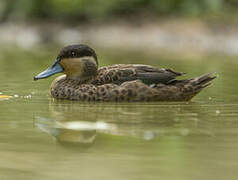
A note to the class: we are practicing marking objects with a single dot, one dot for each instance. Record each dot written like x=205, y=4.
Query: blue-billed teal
x=83, y=80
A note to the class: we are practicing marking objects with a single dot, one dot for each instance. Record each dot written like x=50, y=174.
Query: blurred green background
x=85, y=10
x=187, y=27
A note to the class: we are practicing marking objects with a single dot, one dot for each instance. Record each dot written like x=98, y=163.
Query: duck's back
x=120, y=73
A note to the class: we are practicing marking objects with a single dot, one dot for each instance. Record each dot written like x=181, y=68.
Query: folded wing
x=118, y=74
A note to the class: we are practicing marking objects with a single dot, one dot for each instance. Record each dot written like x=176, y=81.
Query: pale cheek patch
x=72, y=66
x=76, y=67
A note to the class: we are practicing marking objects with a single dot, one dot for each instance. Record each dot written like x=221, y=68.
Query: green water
x=45, y=139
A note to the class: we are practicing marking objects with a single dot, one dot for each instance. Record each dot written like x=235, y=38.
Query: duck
x=83, y=80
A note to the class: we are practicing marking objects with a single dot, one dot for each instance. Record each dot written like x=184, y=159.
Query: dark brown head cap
x=77, y=51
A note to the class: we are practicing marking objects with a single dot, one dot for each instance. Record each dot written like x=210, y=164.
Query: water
x=45, y=139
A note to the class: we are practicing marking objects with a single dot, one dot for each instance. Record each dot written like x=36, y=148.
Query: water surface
x=46, y=139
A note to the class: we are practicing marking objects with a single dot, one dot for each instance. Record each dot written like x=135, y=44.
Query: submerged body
x=124, y=82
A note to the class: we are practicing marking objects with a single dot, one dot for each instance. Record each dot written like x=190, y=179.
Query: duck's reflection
x=81, y=123
x=73, y=132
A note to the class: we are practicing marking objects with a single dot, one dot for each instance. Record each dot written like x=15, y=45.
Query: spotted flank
x=84, y=81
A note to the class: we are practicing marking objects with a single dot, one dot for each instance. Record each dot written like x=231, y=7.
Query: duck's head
x=76, y=61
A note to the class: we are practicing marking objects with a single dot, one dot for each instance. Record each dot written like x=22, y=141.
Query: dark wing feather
x=120, y=73
x=150, y=75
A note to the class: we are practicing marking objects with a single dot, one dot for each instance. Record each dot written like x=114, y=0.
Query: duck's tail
x=202, y=81
x=192, y=87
